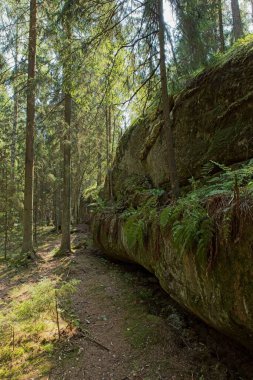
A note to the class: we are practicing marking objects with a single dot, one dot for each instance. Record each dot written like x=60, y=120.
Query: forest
x=126, y=189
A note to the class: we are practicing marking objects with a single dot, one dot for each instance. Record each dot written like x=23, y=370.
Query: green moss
x=241, y=48
x=31, y=320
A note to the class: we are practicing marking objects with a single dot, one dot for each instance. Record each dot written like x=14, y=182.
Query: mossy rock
x=212, y=120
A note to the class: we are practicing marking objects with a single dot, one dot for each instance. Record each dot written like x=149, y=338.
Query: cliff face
x=212, y=118
x=222, y=296
x=200, y=248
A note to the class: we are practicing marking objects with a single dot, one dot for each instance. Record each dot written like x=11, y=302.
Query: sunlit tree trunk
x=30, y=126
x=237, y=21
x=165, y=105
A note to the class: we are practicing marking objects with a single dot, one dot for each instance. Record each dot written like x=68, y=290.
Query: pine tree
x=27, y=245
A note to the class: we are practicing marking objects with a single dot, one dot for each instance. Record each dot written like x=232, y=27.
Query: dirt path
x=129, y=329
x=135, y=332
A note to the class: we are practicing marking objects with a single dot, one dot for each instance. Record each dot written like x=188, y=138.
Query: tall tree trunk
x=113, y=136
x=66, y=206
x=36, y=194
x=107, y=137
x=251, y=1
x=99, y=162
x=108, y=149
x=237, y=21
x=56, y=203
x=15, y=109
x=66, y=199
x=30, y=127
x=6, y=211
x=165, y=105
x=221, y=29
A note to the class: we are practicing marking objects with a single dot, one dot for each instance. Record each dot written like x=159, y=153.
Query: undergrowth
x=30, y=327
x=242, y=46
x=137, y=220
x=213, y=213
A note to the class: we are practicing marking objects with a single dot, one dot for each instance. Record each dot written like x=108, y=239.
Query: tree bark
x=237, y=21
x=15, y=109
x=30, y=127
x=66, y=204
x=36, y=194
x=165, y=105
x=6, y=211
x=99, y=161
x=66, y=199
x=221, y=29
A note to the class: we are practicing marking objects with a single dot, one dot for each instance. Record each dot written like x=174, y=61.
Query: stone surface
x=222, y=296
x=213, y=120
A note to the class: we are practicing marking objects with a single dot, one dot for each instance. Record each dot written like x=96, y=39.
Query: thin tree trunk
x=6, y=224
x=99, y=162
x=66, y=207
x=237, y=21
x=15, y=109
x=221, y=29
x=66, y=199
x=165, y=105
x=107, y=136
x=56, y=204
x=113, y=136
x=108, y=149
x=30, y=127
x=35, y=207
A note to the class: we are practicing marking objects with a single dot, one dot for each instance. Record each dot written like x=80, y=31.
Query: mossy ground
x=28, y=320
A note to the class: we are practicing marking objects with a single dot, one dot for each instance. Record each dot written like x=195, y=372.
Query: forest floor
x=128, y=328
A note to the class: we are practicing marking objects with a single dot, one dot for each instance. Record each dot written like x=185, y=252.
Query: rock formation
x=210, y=270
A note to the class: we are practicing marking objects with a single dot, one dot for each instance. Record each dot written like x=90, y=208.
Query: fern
x=166, y=216
x=193, y=227
x=133, y=230
x=205, y=236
